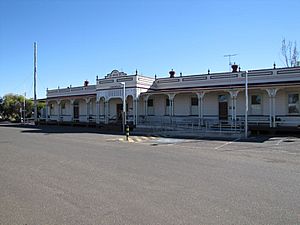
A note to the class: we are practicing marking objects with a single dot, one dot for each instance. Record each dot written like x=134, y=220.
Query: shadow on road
x=53, y=129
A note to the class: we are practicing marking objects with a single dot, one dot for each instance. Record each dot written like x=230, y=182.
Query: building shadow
x=55, y=129
x=59, y=129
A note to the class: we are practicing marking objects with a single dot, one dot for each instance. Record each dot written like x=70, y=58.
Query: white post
x=246, y=105
x=274, y=113
x=87, y=102
x=232, y=109
x=272, y=94
x=106, y=105
x=34, y=81
x=97, y=111
x=136, y=112
x=47, y=108
x=124, y=106
x=200, y=96
x=199, y=111
x=133, y=110
x=270, y=108
x=235, y=99
x=59, y=110
x=72, y=109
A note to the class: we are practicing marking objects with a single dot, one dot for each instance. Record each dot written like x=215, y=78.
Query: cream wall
x=182, y=104
x=211, y=104
x=93, y=107
x=101, y=107
x=67, y=110
x=240, y=104
x=82, y=107
x=159, y=104
x=281, y=106
x=112, y=109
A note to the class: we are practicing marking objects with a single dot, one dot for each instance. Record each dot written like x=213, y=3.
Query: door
x=223, y=107
x=223, y=111
x=119, y=111
x=76, y=112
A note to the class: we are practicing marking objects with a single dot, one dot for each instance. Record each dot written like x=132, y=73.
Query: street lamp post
x=124, y=107
x=246, y=104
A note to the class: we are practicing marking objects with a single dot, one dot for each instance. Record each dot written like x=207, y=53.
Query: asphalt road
x=74, y=176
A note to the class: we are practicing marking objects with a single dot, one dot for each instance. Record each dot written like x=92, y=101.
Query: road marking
x=281, y=140
x=138, y=139
x=134, y=139
x=227, y=143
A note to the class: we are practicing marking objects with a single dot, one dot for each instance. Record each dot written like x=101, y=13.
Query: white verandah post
x=272, y=115
x=200, y=96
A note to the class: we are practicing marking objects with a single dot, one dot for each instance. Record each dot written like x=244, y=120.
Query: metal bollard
x=127, y=132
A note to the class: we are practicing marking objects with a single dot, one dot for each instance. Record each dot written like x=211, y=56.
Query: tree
x=13, y=104
x=290, y=53
x=1, y=108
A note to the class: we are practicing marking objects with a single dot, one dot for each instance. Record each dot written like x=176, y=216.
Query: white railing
x=91, y=89
x=191, y=124
x=254, y=76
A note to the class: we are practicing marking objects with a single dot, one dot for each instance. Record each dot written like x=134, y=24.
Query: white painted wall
x=67, y=110
x=211, y=104
x=82, y=107
x=112, y=110
x=159, y=103
x=182, y=104
x=93, y=107
x=101, y=108
x=281, y=103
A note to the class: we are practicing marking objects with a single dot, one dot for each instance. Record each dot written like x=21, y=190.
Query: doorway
x=76, y=111
x=223, y=107
x=119, y=112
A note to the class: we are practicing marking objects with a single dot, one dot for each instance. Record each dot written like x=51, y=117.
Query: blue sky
x=80, y=39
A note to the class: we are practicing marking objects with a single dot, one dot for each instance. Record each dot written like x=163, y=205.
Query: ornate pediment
x=115, y=73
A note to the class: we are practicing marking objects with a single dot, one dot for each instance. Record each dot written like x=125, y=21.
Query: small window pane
x=150, y=102
x=194, y=101
x=167, y=102
x=222, y=98
x=293, y=98
x=293, y=109
x=255, y=99
x=293, y=103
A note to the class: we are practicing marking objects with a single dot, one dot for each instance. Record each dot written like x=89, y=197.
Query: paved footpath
x=53, y=175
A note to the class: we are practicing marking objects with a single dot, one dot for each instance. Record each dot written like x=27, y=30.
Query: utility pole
x=24, y=108
x=34, y=81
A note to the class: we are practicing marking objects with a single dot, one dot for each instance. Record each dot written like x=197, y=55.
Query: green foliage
x=13, y=104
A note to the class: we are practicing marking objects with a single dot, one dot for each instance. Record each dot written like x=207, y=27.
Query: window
x=63, y=105
x=222, y=98
x=194, y=101
x=255, y=100
x=150, y=103
x=293, y=103
x=167, y=102
x=51, y=109
x=194, y=106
